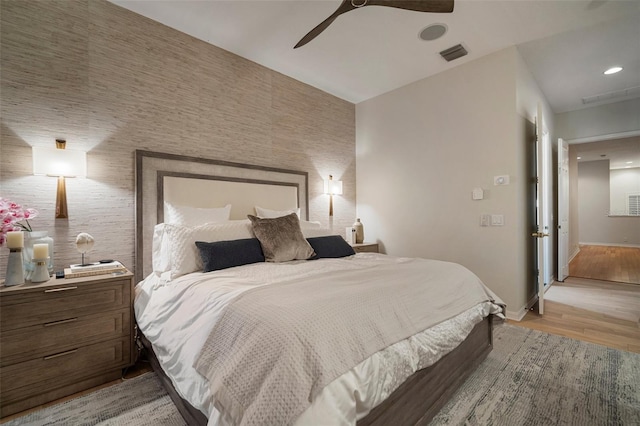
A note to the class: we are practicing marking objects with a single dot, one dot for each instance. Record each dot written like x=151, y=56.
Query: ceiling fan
x=433, y=6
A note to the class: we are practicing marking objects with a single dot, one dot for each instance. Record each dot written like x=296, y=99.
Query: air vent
x=454, y=52
x=631, y=92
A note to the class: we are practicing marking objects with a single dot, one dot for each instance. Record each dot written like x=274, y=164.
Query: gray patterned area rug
x=530, y=378
x=138, y=401
x=535, y=378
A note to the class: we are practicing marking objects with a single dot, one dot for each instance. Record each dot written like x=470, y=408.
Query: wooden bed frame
x=415, y=402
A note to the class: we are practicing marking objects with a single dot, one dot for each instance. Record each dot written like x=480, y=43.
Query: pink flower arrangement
x=12, y=215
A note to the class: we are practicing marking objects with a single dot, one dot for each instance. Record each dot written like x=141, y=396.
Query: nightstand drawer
x=365, y=248
x=62, y=335
x=60, y=302
x=18, y=381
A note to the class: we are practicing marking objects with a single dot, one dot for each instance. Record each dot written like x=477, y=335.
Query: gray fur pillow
x=281, y=238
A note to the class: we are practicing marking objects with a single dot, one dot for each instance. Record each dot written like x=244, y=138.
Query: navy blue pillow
x=331, y=246
x=226, y=254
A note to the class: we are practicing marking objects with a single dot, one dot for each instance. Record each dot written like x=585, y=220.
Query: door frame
x=543, y=217
x=563, y=209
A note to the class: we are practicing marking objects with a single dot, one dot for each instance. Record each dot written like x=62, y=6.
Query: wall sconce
x=62, y=163
x=332, y=187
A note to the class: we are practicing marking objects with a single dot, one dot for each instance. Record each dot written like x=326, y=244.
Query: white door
x=563, y=210
x=547, y=214
x=542, y=208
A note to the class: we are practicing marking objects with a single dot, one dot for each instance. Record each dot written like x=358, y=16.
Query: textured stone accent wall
x=110, y=81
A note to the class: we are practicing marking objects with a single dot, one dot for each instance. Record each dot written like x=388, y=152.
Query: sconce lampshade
x=59, y=162
x=62, y=163
x=333, y=187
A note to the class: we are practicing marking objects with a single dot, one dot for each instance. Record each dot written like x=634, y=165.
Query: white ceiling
x=569, y=66
x=372, y=50
x=621, y=153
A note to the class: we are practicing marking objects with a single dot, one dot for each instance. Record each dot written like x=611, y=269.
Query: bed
x=379, y=372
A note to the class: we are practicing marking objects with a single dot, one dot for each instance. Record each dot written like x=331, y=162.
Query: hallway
x=607, y=263
x=599, y=302
x=602, y=312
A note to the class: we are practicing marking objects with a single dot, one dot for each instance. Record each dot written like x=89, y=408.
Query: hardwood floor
x=621, y=264
x=594, y=311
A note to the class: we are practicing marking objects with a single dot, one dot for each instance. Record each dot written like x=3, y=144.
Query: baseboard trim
x=519, y=314
x=611, y=245
x=552, y=282
x=574, y=254
x=516, y=316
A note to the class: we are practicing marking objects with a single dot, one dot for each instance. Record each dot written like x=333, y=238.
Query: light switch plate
x=497, y=220
x=485, y=219
x=477, y=194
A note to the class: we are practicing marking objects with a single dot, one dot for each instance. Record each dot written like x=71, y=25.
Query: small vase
x=31, y=238
x=359, y=231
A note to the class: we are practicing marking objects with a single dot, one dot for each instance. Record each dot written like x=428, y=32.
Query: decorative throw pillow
x=195, y=216
x=281, y=238
x=182, y=242
x=226, y=254
x=272, y=214
x=160, y=251
x=330, y=246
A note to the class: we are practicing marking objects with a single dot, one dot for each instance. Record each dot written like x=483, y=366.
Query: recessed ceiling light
x=432, y=32
x=613, y=70
x=629, y=162
x=579, y=158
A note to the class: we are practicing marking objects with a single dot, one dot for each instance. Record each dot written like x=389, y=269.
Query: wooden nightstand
x=63, y=336
x=365, y=247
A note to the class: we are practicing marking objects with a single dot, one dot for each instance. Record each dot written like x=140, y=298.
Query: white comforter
x=177, y=317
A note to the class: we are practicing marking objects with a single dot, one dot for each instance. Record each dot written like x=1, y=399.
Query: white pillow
x=160, y=253
x=305, y=224
x=272, y=214
x=316, y=232
x=185, y=257
x=194, y=216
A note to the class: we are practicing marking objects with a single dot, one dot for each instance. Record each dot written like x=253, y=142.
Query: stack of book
x=91, y=269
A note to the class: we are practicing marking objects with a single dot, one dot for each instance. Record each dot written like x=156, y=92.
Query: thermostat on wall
x=501, y=180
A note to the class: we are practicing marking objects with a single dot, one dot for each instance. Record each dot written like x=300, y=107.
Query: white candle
x=40, y=251
x=15, y=239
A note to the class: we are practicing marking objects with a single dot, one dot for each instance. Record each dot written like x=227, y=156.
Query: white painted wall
x=420, y=151
x=610, y=119
x=596, y=226
x=623, y=182
x=593, y=200
x=619, y=117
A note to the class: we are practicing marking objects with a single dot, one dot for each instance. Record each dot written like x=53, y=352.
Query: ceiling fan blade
x=346, y=6
x=432, y=6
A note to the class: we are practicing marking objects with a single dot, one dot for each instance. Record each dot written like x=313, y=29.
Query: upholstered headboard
x=200, y=182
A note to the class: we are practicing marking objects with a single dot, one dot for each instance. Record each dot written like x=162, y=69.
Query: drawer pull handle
x=49, y=324
x=53, y=290
x=61, y=354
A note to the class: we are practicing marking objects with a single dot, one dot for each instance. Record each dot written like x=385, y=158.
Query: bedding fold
x=275, y=347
